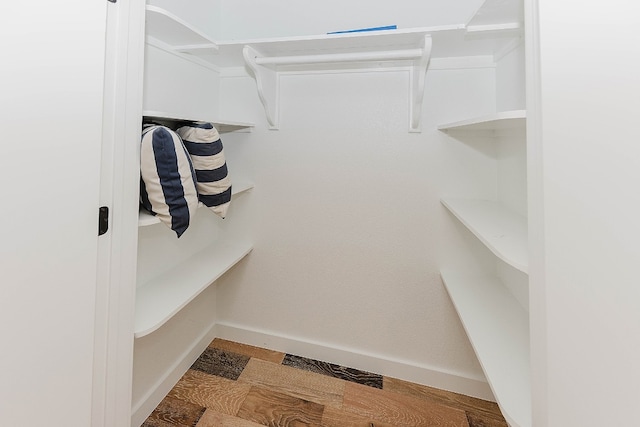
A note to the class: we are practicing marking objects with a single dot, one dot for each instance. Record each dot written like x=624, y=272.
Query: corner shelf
x=498, y=328
x=223, y=126
x=145, y=218
x=515, y=119
x=503, y=231
x=175, y=32
x=497, y=17
x=162, y=297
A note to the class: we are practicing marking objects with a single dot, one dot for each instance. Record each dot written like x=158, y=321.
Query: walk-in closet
x=441, y=192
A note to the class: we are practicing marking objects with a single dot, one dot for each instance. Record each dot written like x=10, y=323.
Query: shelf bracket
x=267, y=82
x=418, y=73
x=263, y=70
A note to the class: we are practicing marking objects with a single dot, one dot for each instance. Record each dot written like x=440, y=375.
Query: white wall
x=510, y=78
x=243, y=19
x=52, y=85
x=586, y=282
x=178, y=87
x=350, y=233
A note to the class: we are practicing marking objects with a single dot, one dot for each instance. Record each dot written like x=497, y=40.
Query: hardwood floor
x=236, y=385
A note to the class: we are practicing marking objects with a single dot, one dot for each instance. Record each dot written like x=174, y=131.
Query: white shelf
x=175, y=32
x=161, y=298
x=503, y=231
x=449, y=41
x=498, y=328
x=145, y=218
x=223, y=126
x=497, y=14
x=265, y=58
x=504, y=120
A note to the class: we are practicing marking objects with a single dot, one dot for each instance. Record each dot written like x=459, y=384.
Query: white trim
x=492, y=30
x=536, y=225
x=439, y=64
x=462, y=62
x=117, y=249
x=378, y=363
x=507, y=49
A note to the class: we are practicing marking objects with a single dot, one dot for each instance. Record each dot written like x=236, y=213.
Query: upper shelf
x=413, y=48
x=223, y=126
x=177, y=33
x=493, y=122
x=497, y=16
x=504, y=232
x=448, y=41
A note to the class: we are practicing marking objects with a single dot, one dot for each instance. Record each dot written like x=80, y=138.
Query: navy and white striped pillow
x=167, y=184
x=205, y=147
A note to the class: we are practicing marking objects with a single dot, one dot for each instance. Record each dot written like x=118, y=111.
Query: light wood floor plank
x=476, y=408
x=248, y=350
x=335, y=417
x=211, y=391
x=270, y=408
x=400, y=409
x=212, y=418
x=294, y=382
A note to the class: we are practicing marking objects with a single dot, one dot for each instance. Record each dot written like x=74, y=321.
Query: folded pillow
x=167, y=178
x=205, y=147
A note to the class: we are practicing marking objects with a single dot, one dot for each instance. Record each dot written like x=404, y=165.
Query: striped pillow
x=167, y=184
x=214, y=186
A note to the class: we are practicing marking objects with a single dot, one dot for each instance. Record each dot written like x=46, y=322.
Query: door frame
x=119, y=183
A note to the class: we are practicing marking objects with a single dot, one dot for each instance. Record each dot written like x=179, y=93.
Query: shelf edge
x=514, y=322
x=505, y=256
x=483, y=122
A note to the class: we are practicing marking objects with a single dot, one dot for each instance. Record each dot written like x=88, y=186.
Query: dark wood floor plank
x=248, y=350
x=221, y=363
x=174, y=412
x=400, y=409
x=333, y=370
x=476, y=420
x=270, y=408
x=211, y=391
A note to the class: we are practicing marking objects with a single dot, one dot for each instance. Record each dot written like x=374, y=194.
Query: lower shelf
x=161, y=298
x=498, y=328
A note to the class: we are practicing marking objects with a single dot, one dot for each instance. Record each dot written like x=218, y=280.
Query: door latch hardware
x=103, y=220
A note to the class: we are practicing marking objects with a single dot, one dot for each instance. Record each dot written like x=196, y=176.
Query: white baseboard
x=145, y=406
x=376, y=363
